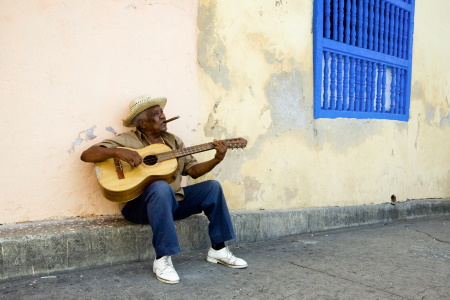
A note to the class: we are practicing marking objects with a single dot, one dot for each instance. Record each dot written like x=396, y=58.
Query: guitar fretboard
x=184, y=151
x=232, y=143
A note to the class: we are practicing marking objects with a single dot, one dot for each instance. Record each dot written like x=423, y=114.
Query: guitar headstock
x=236, y=143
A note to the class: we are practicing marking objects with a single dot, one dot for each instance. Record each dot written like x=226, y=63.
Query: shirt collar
x=167, y=137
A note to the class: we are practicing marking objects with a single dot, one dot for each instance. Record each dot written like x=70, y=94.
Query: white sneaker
x=225, y=257
x=164, y=270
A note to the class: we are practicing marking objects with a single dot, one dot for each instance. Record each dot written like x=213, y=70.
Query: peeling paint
x=429, y=115
x=110, y=129
x=250, y=89
x=345, y=134
x=285, y=94
x=211, y=48
x=83, y=136
x=294, y=160
x=271, y=58
x=290, y=194
x=445, y=121
x=213, y=127
x=217, y=121
x=216, y=105
x=418, y=131
x=417, y=91
x=252, y=188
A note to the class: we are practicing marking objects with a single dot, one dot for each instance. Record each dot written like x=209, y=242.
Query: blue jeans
x=158, y=207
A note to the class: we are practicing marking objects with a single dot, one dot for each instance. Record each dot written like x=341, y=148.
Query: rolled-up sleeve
x=129, y=140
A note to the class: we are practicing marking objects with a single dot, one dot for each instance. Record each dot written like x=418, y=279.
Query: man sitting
x=162, y=203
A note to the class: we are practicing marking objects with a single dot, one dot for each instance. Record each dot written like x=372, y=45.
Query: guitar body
x=121, y=183
x=135, y=179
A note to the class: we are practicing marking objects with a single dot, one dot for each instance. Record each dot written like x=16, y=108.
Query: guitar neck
x=184, y=151
x=231, y=143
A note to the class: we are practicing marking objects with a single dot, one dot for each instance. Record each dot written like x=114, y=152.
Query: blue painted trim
x=410, y=50
x=366, y=54
x=331, y=114
x=363, y=57
x=317, y=55
x=403, y=4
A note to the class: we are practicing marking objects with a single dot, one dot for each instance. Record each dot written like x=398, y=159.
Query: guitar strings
x=153, y=159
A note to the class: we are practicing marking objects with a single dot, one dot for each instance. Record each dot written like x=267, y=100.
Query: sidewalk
x=407, y=259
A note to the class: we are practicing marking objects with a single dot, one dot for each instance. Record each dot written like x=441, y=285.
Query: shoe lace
x=167, y=263
x=230, y=255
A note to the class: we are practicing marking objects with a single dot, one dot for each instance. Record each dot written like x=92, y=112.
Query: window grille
x=363, y=58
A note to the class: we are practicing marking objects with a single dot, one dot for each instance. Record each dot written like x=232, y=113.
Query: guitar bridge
x=119, y=169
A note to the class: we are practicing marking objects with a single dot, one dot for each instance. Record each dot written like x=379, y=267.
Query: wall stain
x=417, y=91
x=292, y=105
x=418, y=130
x=290, y=194
x=252, y=189
x=216, y=105
x=213, y=127
x=271, y=58
x=284, y=92
x=211, y=49
x=429, y=114
x=445, y=121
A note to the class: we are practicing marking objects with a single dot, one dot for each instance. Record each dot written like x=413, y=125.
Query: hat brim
x=141, y=105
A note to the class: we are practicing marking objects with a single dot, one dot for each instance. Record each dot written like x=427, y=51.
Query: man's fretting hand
x=221, y=149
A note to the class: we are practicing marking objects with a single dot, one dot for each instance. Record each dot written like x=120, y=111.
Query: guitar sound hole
x=150, y=160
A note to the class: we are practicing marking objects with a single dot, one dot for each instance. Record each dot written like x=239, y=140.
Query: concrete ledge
x=40, y=248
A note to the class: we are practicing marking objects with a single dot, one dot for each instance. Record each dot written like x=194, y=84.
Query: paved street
x=401, y=260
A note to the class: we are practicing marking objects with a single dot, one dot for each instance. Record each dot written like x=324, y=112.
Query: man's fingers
x=220, y=145
x=133, y=163
x=131, y=157
x=136, y=161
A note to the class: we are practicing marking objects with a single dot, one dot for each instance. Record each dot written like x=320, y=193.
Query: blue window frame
x=363, y=58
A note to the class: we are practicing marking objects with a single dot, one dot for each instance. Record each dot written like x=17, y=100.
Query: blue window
x=363, y=58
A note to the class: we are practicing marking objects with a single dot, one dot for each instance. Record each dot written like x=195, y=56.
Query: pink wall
x=68, y=70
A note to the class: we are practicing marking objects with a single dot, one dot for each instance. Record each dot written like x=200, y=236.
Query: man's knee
x=214, y=185
x=159, y=186
x=215, y=194
x=158, y=191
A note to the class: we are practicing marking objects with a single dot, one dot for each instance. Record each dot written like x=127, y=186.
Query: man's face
x=154, y=120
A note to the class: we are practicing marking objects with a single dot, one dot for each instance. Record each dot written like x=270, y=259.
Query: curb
x=42, y=248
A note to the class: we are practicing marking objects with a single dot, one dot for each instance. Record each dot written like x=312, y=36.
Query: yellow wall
x=256, y=80
x=229, y=68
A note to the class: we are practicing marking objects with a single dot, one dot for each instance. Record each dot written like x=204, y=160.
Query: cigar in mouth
x=171, y=119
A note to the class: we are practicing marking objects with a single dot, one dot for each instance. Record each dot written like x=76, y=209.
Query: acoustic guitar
x=121, y=183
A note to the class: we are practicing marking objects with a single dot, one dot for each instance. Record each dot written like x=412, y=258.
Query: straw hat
x=140, y=104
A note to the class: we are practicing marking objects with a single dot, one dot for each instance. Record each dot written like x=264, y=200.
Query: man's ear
x=141, y=124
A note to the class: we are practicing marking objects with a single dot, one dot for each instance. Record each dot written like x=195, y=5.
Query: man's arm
x=97, y=154
x=204, y=167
